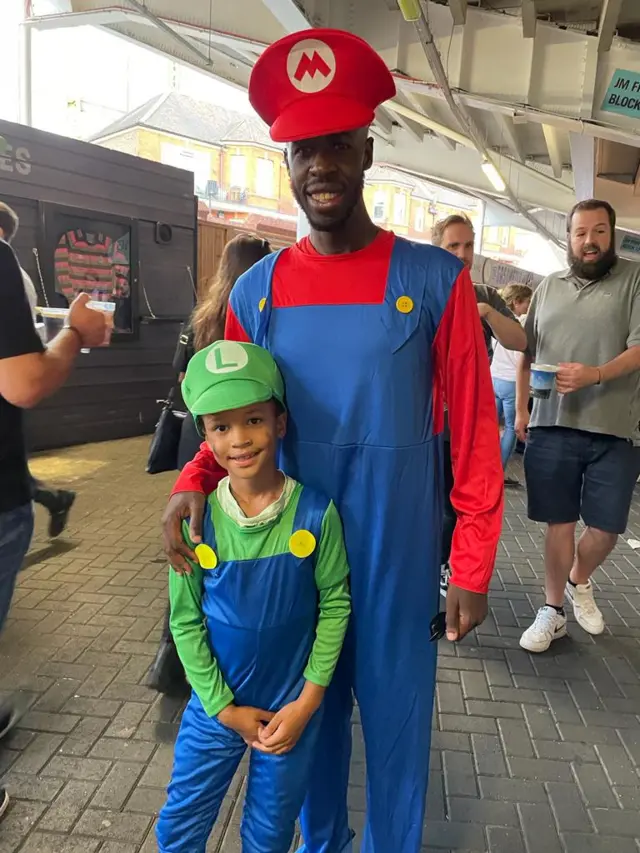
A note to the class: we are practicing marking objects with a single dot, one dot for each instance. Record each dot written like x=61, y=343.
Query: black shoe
x=60, y=515
x=4, y=801
x=511, y=482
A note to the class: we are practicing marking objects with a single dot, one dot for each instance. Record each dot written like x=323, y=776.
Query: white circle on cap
x=311, y=66
x=226, y=357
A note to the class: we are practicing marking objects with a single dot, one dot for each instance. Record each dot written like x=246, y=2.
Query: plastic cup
x=109, y=310
x=543, y=377
x=54, y=320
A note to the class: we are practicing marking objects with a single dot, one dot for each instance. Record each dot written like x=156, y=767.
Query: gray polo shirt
x=573, y=320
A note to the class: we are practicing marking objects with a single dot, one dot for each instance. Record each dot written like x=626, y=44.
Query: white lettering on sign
x=14, y=159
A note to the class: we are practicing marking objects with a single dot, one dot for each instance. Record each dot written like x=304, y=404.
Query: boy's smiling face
x=245, y=441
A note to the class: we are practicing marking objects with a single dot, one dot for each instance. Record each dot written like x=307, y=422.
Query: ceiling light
x=494, y=176
x=410, y=9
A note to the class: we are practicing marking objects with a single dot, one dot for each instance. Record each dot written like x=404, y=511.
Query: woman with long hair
x=503, y=372
x=207, y=321
x=205, y=326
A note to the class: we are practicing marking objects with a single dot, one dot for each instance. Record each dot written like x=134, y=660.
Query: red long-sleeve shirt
x=462, y=379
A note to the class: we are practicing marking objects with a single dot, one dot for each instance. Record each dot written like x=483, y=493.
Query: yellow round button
x=404, y=304
x=262, y=303
x=206, y=556
x=302, y=544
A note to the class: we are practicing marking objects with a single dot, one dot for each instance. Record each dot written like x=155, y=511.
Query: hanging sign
x=623, y=94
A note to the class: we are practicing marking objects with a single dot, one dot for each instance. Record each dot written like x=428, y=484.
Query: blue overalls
x=261, y=618
x=359, y=382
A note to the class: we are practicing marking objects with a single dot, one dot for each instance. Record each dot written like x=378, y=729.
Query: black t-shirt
x=488, y=294
x=17, y=337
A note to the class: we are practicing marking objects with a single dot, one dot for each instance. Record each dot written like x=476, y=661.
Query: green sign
x=623, y=94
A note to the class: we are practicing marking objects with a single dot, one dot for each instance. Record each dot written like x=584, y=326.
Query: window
x=420, y=219
x=400, y=209
x=264, y=177
x=238, y=171
x=380, y=206
x=198, y=162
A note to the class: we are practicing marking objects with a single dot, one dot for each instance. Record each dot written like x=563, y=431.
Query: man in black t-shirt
x=28, y=374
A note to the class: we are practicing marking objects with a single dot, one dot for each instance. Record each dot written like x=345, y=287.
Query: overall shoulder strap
x=310, y=512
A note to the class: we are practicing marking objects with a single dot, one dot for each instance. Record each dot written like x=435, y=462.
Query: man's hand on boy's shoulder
x=182, y=505
x=246, y=721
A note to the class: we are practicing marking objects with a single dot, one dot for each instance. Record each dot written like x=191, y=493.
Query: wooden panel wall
x=112, y=392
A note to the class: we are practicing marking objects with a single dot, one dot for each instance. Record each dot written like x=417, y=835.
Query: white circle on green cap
x=226, y=357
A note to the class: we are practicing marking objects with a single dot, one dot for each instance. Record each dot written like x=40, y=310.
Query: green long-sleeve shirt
x=234, y=542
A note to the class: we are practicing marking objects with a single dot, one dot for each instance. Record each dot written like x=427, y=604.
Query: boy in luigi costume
x=260, y=620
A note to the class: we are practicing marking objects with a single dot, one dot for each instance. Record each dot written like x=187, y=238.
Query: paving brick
x=116, y=749
x=22, y=817
x=463, y=724
x=37, y=753
x=589, y=734
x=562, y=751
x=114, y=791
x=540, y=770
x=579, y=843
x=64, y=812
x=127, y=719
x=84, y=769
x=541, y=723
x=149, y=800
x=539, y=828
x=450, y=699
x=617, y=765
x=43, y=842
x=616, y=822
x=459, y=836
x=516, y=739
x=43, y=722
x=492, y=813
x=505, y=840
x=488, y=755
x=595, y=786
x=459, y=774
x=512, y=790
x=110, y=825
x=474, y=685
x=33, y=787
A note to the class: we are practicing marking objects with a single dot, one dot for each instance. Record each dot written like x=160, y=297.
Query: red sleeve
x=463, y=374
x=203, y=473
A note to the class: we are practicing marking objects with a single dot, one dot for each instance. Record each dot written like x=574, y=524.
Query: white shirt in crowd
x=505, y=361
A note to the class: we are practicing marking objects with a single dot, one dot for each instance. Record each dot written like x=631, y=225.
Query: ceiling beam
x=288, y=14
x=458, y=11
x=608, y=23
x=551, y=137
x=509, y=134
x=529, y=19
x=173, y=35
x=419, y=106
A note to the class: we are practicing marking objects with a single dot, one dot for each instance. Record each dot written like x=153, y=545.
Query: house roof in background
x=191, y=119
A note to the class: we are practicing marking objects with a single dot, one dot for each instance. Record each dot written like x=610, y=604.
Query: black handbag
x=163, y=452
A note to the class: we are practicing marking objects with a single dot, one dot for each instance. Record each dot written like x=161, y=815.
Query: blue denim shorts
x=573, y=474
x=16, y=529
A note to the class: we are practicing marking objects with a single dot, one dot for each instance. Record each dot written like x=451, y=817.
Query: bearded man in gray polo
x=580, y=461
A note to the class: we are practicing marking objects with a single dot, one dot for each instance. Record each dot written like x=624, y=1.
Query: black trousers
x=449, y=517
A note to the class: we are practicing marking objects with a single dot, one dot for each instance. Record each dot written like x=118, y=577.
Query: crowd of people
x=342, y=469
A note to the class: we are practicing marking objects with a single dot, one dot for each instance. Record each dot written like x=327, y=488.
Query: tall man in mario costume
x=372, y=334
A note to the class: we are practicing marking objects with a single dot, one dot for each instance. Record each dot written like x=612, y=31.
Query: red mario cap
x=318, y=82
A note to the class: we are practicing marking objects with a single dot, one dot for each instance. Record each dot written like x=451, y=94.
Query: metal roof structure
x=547, y=92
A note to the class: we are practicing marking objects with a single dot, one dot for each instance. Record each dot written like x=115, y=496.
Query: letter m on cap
x=310, y=65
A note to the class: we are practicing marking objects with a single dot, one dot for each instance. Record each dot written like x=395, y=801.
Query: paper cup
x=109, y=309
x=543, y=377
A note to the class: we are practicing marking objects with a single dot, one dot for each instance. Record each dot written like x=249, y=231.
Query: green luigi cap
x=230, y=375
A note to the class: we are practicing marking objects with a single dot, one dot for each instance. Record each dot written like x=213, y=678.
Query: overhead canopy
x=551, y=87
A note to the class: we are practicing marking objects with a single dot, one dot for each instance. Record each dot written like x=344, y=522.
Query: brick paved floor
x=529, y=754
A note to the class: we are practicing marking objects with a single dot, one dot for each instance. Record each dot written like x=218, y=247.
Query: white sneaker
x=585, y=609
x=445, y=574
x=549, y=625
